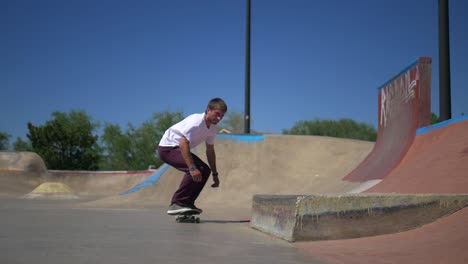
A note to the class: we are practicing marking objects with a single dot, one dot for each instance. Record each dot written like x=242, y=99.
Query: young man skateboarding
x=175, y=150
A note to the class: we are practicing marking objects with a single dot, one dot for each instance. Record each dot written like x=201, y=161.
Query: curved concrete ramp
x=21, y=161
x=434, y=163
x=437, y=162
x=297, y=218
x=404, y=106
x=443, y=241
x=271, y=164
x=20, y=172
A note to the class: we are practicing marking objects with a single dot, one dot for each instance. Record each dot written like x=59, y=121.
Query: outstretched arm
x=211, y=156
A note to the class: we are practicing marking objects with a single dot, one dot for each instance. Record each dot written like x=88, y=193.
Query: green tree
x=4, y=140
x=135, y=148
x=234, y=122
x=116, y=149
x=343, y=128
x=21, y=145
x=434, y=119
x=67, y=141
x=144, y=142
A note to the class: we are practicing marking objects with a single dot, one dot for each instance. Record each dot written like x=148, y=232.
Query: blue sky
x=122, y=61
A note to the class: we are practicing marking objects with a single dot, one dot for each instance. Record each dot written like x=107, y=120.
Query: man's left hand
x=215, y=181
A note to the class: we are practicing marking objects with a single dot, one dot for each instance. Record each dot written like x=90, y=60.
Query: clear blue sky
x=121, y=61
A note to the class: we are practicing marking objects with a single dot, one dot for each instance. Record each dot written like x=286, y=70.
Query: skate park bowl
x=24, y=175
x=308, y=188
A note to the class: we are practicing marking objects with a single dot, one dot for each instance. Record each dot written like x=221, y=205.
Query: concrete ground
x=39, y=231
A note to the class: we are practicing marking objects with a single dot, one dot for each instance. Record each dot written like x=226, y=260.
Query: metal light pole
x=247, y=74
x=445, y=101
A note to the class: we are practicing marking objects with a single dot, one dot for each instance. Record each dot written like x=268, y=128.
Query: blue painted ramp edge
x=414, y=63
x=150, y=181
x=442, y=124
x=242, y=138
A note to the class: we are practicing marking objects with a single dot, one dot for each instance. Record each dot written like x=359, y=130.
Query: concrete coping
x=342, y=216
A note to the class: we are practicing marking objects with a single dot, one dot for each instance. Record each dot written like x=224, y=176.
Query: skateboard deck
x=188, y=217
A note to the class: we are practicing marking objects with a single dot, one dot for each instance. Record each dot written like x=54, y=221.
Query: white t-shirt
x=193, y=128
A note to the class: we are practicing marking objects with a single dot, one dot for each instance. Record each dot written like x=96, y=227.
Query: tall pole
x=247, y=74
x=445, y=102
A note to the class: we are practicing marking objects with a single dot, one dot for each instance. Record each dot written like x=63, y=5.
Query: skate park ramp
x=404, y=105
x=273, y=164
x=436, y=163
x=247, y=165
x=428, y=161
x=22, y=172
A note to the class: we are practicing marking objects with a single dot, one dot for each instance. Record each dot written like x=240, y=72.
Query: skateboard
x=188, y=217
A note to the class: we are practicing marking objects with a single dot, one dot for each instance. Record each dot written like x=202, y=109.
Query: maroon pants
x=188, y=190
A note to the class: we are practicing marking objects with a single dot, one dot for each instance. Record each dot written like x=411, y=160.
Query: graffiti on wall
x=400, y=91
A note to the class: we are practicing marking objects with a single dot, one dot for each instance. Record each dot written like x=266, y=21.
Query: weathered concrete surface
x=57, y=232
x=21, y=161
x=313, y=164
x=275, y=164
x=99, y=183
x=325, y=217
x=52, y=190
x=22, y=172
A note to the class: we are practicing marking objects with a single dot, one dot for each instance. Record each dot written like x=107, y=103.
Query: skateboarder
x=175, y=150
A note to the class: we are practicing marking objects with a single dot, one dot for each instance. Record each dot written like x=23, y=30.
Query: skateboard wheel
x=186, y=218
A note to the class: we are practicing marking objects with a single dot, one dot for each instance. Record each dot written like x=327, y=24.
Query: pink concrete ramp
x=409, y=160
x=437, y=162
x=443, y=241
x=404, y=106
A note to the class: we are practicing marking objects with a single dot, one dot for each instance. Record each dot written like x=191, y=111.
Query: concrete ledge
x=325, y=217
